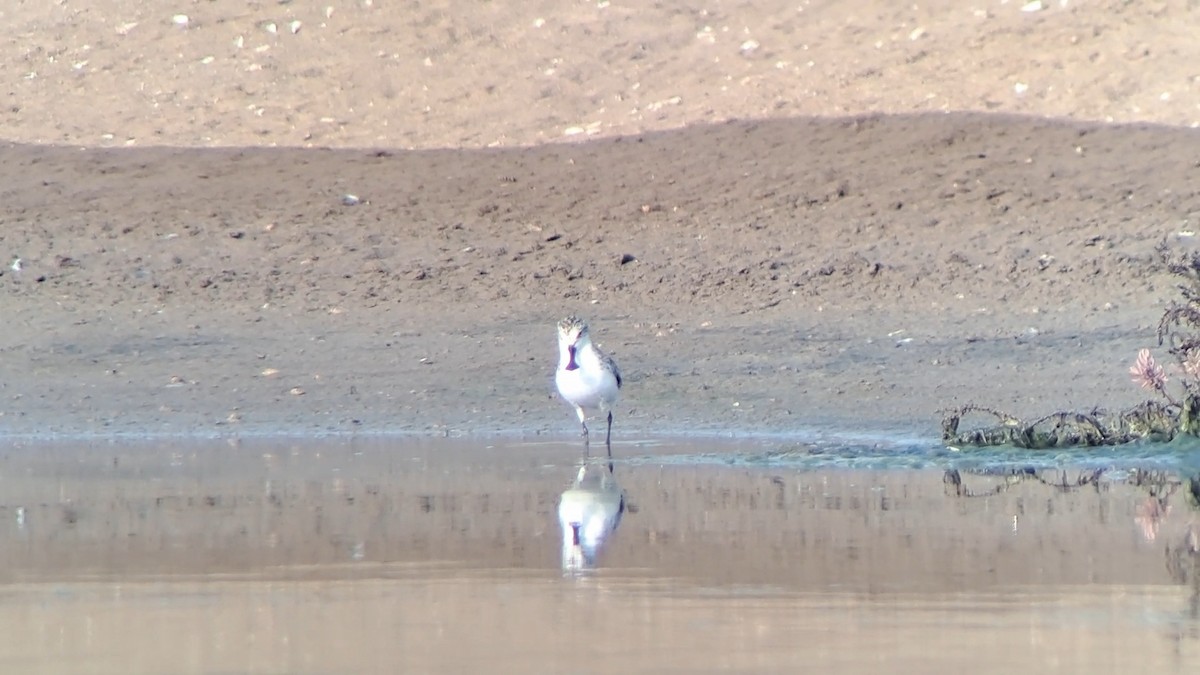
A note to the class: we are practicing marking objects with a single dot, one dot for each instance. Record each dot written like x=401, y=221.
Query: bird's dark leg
x=586, y=440
x=608, y=435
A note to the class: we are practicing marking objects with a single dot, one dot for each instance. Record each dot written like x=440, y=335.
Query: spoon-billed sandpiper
x=587, y=378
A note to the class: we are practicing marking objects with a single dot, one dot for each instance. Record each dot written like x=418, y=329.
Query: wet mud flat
x=353, y=556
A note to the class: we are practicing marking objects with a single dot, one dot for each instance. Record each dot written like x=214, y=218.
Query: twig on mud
x=1064, y=428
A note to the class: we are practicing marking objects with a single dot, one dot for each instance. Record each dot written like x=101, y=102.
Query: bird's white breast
x=591, y=385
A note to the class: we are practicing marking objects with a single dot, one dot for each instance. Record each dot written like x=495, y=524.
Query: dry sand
x=841, y=215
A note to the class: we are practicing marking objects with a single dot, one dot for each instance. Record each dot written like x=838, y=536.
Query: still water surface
x=389, y=556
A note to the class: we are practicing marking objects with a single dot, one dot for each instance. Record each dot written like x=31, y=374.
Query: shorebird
x=587, y=378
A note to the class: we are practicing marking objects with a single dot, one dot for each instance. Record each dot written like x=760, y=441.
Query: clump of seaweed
x=1152, y=420
x=1160, y=420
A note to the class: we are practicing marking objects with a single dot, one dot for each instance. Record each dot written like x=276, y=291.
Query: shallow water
x=739, y=555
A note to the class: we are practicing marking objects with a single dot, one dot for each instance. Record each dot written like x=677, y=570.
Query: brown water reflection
x=447, y=557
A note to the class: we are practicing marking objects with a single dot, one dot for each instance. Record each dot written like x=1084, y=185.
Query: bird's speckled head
x=571, y=329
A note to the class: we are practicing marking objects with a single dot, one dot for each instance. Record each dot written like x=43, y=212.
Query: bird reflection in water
x=589, y=512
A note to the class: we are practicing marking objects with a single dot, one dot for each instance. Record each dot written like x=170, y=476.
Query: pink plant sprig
x=1150, y=375
x=1191, y=364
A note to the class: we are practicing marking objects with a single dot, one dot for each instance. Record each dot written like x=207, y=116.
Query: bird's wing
x=612, y=364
